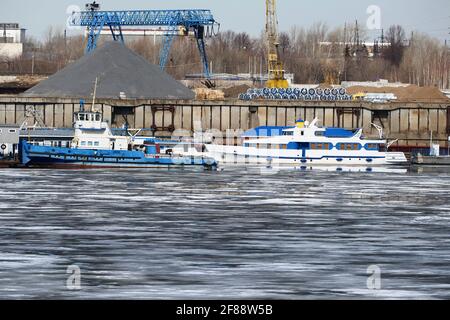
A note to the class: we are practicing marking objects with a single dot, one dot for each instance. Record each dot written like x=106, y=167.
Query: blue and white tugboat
x=94, y=145
x=308, y=144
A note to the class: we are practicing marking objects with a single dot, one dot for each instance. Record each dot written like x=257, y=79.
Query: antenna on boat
x=314, y=123
x=391, y=143
x=379, y=128
x=94, y=96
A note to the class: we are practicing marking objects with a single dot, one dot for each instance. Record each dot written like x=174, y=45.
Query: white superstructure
x=93, y=133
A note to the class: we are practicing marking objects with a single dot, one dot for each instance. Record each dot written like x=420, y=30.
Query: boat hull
x=249, y=155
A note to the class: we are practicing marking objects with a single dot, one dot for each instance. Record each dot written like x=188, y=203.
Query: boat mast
x=94, y=96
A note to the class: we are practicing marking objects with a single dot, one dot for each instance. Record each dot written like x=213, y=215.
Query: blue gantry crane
x=196, y=20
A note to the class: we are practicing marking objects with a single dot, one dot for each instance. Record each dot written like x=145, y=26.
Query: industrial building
x=12, y=38
x=9, y=139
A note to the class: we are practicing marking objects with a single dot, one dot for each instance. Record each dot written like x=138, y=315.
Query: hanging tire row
x=305, y=94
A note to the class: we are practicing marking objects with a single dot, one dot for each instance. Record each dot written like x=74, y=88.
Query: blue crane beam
x=187, y=18
x=192, y=19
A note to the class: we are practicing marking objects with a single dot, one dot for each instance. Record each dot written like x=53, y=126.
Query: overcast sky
x=430, y=16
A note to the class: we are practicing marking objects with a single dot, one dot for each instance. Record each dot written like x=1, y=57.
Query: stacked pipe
x=303, y=94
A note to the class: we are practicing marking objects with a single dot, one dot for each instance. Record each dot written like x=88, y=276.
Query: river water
x=233, y=234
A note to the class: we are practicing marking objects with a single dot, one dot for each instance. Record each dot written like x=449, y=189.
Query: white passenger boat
x=308, y=144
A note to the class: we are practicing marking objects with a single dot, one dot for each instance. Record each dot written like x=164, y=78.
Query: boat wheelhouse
x=91, y=132
x=307, y=143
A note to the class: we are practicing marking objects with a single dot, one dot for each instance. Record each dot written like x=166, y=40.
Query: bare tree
x=316, y=54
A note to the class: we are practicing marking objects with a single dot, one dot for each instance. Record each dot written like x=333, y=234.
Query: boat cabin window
x=89, y=117
x=320, y=133
x=320, y=146
x=288, y=133
x=372, y=146
x=349, y=146
x=83, y=143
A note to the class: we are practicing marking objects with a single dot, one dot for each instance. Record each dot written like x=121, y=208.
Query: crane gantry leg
x=94, y=32
x=200, y=37
x=199, y=32
x=166, y=45
x=99, y=22
x=116, y=28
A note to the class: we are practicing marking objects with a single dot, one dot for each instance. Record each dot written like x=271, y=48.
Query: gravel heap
x=121, y=73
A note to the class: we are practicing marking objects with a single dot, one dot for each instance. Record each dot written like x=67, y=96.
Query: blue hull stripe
x=332, y=157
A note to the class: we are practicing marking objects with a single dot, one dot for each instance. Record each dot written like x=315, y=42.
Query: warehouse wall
x=411, y=123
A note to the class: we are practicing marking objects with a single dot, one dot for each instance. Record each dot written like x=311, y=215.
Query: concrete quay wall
x=411, y=122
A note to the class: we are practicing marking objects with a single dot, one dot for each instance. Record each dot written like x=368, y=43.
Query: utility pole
x=260, y=71
x=65, y=46
x=346, y=51
x=32, y=63
x=448, y=73
x=345, y=34
x=357, y=34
